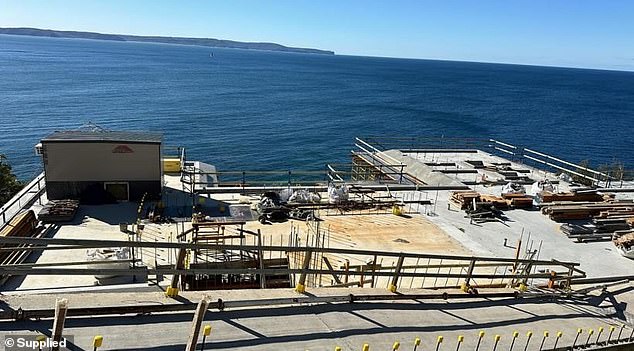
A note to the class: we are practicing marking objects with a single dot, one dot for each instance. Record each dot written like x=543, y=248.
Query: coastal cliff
x=209, y=42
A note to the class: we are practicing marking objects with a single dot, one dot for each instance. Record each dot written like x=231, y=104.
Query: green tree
x=9, y=183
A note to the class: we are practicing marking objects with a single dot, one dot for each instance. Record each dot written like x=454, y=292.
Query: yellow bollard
x=497, y=340
x=416, y=343
x=460, y=340
x=515, y=335
x=612, y=328
x=171, y=292
x=590, y=332
x=392, y=288
x=396, y=346
x=579, y=331
x=40, y=339
x=543, y=340
x=481, y=335
x=97, y=341
x=529, y=335
x=365, y=347
x=338, y=348
x=300, y=288
x=206, y=333
x=599, y=335
x=438, y=342
x=559, y=334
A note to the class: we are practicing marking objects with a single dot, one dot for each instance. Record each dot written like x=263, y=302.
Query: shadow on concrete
x=233, y=318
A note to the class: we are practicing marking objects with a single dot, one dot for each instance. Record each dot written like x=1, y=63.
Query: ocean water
x=265, y=110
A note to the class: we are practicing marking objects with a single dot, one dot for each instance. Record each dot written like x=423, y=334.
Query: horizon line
x=580, y=67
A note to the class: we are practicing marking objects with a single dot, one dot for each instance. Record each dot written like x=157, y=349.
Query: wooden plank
x=329, y=266
x=180, y=264
x=199, y=316
x=86, y=243
x=61, y=307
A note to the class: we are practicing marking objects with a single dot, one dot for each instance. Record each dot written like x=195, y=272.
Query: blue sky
x=593, y=34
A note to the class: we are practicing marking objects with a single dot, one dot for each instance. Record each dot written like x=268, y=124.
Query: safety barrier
x=22, y=200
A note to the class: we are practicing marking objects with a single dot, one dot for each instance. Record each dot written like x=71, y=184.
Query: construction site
x=417, y=243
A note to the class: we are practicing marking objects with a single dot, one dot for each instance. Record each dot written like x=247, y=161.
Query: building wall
x=101, y=161
x=77, y=170
x=93, y=193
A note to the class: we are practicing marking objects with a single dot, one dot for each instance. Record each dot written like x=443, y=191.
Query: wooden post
x=467, y=280
x=261, y=261
x=347, y=268
x=517, y=255
x=61, y=306
x=329, y=266
x=199, y=316
x=301, y=285
x=397, y=271
x=373, y=270
x=172, y=290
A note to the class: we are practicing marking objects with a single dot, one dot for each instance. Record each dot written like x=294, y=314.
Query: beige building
x=98, y=166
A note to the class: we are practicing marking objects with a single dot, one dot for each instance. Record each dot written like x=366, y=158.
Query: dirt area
x=384, y=232
x=412, y=233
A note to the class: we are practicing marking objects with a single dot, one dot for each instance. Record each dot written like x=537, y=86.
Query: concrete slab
x=324, y=326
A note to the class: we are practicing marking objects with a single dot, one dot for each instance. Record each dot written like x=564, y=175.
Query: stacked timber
x=467, y=199
x=497, y=201
x=464, y=198
x=610, y=225
x=547, y=196
x=516, y=200
x=479, y=207
x=560, y=211
x=597, y=231
x=58, y=211
x=22, y=225
x=625, y=244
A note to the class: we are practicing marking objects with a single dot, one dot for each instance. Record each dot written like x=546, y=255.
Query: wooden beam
x=269, y=271
x=329, y=266
x=397, y=272
x=301, y=284
x=180, y=264
x=470, y=272
x=61, y=307
x=199, y=316
x=85, y=243
x=260, y=260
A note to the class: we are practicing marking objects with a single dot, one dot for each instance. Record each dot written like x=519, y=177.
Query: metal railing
x=537, y=159
x=394, y=270
x=30, y=193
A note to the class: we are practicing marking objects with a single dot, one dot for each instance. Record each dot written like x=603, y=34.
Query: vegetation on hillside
x=615, y=170
x=9, y=183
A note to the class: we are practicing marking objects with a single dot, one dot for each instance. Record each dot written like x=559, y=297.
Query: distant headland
x=210, y=42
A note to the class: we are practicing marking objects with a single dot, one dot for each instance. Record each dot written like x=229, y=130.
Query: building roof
x=104, y=136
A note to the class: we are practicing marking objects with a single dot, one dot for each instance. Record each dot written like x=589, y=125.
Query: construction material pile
x=518, y=200
x=468, y=199
x=597, y=230
x=479, y=207
x=562, y=211
x=464, y=199
x=58, y=211
x=22, y=225
x=625, y=244
x=581, y=196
